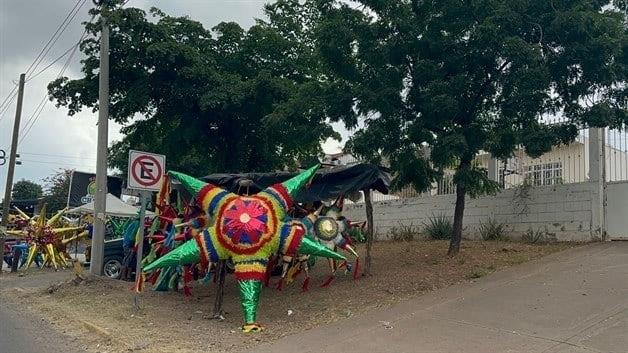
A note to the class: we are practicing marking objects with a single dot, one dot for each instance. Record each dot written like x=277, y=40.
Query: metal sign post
x=146, y=173
x=144, y=195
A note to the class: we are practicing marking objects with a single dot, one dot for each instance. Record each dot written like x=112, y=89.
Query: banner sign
x=83, y=188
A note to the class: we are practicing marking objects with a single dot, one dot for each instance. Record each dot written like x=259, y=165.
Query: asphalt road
x=22, y=333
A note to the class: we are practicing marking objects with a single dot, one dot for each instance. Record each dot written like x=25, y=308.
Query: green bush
x=493, y=230
x=357, y=235
x=403, y=232
x=439, y=228
x=532, y=236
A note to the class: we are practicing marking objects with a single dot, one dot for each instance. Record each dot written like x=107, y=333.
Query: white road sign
x=146, y=170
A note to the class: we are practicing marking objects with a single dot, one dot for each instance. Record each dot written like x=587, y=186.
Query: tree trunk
x=461, y=192
x=369, y=231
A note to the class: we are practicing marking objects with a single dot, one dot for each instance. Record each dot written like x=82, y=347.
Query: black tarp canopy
x=328, y=183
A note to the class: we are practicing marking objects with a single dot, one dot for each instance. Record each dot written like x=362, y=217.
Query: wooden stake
x=369, y=231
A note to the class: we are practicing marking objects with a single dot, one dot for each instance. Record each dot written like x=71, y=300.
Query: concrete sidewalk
x=574, y=301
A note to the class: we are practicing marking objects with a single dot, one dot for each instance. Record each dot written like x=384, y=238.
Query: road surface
x=23, y=333
x=575, y=301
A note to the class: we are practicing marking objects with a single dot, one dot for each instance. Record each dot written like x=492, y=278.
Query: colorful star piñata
x=247, y=230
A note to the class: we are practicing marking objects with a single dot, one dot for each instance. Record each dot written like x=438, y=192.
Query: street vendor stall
x=199, y=219
x=327, y=184
x=115, y=208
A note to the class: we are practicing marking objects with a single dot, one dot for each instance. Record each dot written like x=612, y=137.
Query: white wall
x=563, y=211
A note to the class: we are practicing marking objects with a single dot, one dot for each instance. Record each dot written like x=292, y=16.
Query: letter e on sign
x=146, y=170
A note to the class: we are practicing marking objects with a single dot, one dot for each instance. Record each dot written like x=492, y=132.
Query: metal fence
x=616, y=155
x=563, y=164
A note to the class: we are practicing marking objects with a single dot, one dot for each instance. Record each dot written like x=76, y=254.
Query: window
x=545, y=174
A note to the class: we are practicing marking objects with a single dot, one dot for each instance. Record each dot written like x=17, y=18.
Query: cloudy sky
x=55, y=139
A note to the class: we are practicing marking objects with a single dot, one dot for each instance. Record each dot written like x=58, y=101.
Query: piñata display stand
x=43, y=236
x=246, y=229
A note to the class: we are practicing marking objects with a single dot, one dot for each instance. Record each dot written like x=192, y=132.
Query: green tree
x=57, y=188
x=436, y=82
x=26, y=190
x=225, y=99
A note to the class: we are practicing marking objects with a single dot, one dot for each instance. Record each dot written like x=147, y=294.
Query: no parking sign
x=146, y=170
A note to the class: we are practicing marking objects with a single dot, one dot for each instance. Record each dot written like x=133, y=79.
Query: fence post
x=370, y=232
x=493, y=168
x=597, y=177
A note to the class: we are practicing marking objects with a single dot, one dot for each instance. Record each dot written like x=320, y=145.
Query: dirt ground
x=100, y=314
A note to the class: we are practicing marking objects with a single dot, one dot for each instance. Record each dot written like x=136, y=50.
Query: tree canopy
x=436, y=82
x=433, y=83
x=57, y=189
x=219, y=100
x=26, y=190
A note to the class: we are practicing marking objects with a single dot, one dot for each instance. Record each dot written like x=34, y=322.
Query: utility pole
x=12, y=156
x=100, y=200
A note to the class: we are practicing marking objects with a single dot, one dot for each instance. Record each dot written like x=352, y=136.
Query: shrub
x=532, y=236
x=493, y=230
x=357, y=235
x=439, y=228
x=403, y=232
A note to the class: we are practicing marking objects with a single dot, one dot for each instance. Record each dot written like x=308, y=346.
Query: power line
x=55, y=36
x=60, y=164
x=8, y=96
x=53, y=62
x=35, y=116
x=44, y=51
x=54, y=155
x=6, y=107
x=37, y=111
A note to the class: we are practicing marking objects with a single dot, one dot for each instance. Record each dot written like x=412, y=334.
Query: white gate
x=617, y=210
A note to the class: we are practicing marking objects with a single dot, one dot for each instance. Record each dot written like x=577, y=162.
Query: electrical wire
x=55, y=37
x=8, y=96
x=72, y=50
x=54, y=155
x=53, y=62
x=62, y=163
x=42, y=54
x=6, y=107
x=37, y=112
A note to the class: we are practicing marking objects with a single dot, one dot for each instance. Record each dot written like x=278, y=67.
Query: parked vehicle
x=113, y=257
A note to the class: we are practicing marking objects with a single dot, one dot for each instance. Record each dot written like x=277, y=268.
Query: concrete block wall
x=563, y=212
